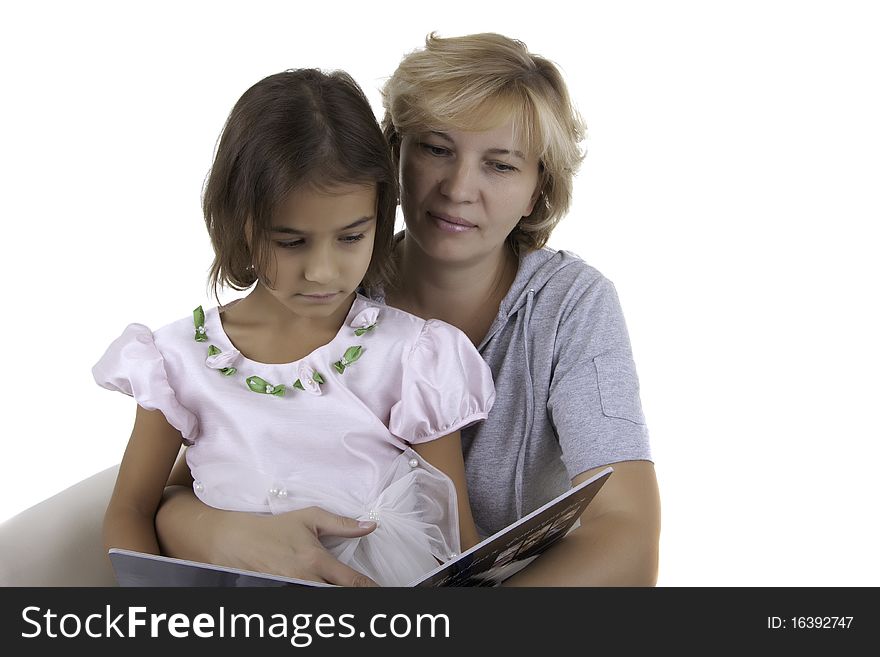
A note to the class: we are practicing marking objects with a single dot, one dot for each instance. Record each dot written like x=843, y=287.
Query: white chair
x=58, y=541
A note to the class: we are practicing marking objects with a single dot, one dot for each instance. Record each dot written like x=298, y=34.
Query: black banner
x=434, y=621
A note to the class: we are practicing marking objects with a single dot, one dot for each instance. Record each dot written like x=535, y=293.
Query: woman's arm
x=594, y=407
x=445, y=455
x=286, y=544
x=148, y=458
x=617, y=543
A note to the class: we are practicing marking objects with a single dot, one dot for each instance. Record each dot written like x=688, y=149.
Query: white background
x=730, y=192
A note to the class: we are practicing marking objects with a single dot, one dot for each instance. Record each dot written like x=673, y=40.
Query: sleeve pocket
x=619, y=387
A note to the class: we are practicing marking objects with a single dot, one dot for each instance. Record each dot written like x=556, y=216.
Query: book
x=488, y=563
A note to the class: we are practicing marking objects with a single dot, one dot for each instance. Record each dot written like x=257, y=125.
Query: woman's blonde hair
x=475, y=83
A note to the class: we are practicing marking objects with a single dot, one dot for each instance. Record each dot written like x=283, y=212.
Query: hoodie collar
x=536, y=268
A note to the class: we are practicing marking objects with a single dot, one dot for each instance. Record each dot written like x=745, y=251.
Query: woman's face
x=462, y=193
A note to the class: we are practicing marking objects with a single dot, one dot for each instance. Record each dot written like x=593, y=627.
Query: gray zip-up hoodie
x=567, y=393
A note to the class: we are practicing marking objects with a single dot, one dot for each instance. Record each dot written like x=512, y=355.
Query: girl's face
x=321, y=243
x=462, y=193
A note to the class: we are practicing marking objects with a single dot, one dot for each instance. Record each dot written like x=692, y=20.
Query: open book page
x=140, y=569
x=488, y=563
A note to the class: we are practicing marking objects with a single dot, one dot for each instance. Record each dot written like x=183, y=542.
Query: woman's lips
x=451, y=224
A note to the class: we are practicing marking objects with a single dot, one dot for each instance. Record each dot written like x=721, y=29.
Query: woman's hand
x=286, y=544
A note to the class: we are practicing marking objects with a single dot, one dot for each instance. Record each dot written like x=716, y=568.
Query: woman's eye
x=435, y=150
x=501, y=167
x=351, y=239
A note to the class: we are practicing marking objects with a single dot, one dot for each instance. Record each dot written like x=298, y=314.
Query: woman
x=487, y=144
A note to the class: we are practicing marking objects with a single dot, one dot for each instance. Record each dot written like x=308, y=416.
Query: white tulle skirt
x=413, y=504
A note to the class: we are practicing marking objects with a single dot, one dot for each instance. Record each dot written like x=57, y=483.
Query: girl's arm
x=617, y=542
x=286, y=544
x=180, y=473
x=148, y=458
x=445, y=455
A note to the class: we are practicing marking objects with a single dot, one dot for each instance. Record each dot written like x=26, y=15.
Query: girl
x=304, y=393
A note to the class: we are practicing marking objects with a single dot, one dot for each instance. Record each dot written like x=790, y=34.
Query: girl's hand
x=286, y=544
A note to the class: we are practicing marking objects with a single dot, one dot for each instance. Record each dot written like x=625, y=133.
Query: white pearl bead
x=413, y=463
x=199, y=487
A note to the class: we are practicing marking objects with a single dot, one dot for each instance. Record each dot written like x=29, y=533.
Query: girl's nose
x=320, y=265
x=459, y=183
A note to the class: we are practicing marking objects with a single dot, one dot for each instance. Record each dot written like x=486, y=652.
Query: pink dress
x=339, y=438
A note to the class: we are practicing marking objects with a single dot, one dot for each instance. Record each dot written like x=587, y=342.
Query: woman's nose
x=459, y=183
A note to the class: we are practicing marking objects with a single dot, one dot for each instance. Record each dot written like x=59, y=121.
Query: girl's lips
x=451, y=224
x=319, y=297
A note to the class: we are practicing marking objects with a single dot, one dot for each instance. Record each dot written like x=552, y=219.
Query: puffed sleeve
x=446, y=386
x=134, y=366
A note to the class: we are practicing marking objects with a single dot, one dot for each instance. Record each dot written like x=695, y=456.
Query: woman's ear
x=543, y=188
x=393, y=139
x=249, y=234
x=539, y=187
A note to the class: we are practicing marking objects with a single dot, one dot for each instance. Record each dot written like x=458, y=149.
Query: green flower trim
x=359, y=332
x=263, y=387
x=317, y=378
x=199, y=321
x=259, y=385
x=350, y=356
x=226, y=371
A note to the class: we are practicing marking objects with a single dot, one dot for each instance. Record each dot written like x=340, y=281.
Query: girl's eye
x=351, y=239
x=290, y=244
x=431, y=149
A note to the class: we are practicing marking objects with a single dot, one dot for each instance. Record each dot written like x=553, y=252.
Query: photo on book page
x=498, y=557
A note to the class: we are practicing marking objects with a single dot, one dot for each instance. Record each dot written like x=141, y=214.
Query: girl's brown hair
x=298, y=128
